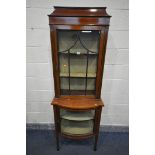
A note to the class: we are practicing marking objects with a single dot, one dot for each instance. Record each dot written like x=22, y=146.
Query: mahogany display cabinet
x=78, y=41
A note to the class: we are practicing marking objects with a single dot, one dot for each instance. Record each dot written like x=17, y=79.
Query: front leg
x=57, y=124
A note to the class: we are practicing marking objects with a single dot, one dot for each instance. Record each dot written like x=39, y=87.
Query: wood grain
x=77, y=103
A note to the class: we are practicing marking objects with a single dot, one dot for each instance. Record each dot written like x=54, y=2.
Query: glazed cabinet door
x=78, y=60
x=77, y=57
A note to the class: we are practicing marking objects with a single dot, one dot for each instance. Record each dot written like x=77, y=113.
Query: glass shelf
x=76, y=127
x=77, y=116
x=77, y=92
x=77, y=53
x=89, y=75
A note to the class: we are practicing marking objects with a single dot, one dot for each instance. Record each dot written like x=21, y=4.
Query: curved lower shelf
x=78, y=137
x=76, y=115
x=76, y=127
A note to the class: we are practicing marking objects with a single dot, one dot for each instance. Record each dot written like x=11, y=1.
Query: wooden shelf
x=78, y=103
x=76, y=128
x=77, y=116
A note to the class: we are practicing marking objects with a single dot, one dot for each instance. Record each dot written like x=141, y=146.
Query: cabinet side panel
x=53, y=36
x=101, y=60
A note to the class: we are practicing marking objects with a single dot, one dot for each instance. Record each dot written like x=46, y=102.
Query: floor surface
x=42, y=142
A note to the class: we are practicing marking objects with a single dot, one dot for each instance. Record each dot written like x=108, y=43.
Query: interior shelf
x=89, y=75
x=77, y=116
x=76, y=127
x=77, y=92
x=78, y=53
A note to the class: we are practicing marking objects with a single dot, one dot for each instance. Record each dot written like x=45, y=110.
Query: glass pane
x=89, y=39
x=78, y=52
x=92, y=65
x=78, y=65
x=64, y=83
x=63, y=62
x=91, y=84
x=66, y=39
x=77, y=86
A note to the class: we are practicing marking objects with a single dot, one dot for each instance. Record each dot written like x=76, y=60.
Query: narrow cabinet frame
x=79, y=19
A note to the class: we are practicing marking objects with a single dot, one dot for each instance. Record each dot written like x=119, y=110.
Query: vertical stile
x=86, y=72
x=69, y=69
x=97, y=56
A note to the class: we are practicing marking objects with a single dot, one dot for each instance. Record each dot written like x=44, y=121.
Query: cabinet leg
x=95, y=143
x=57, y=141
x=57, y=124
x=97, y=125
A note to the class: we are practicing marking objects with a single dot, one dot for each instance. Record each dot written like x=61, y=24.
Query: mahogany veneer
x=80, y=103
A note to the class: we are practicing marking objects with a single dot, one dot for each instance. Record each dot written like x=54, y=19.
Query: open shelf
x=76, y=115
x=76, y=127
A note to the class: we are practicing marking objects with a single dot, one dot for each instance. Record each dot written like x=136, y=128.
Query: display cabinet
x=78, y=41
